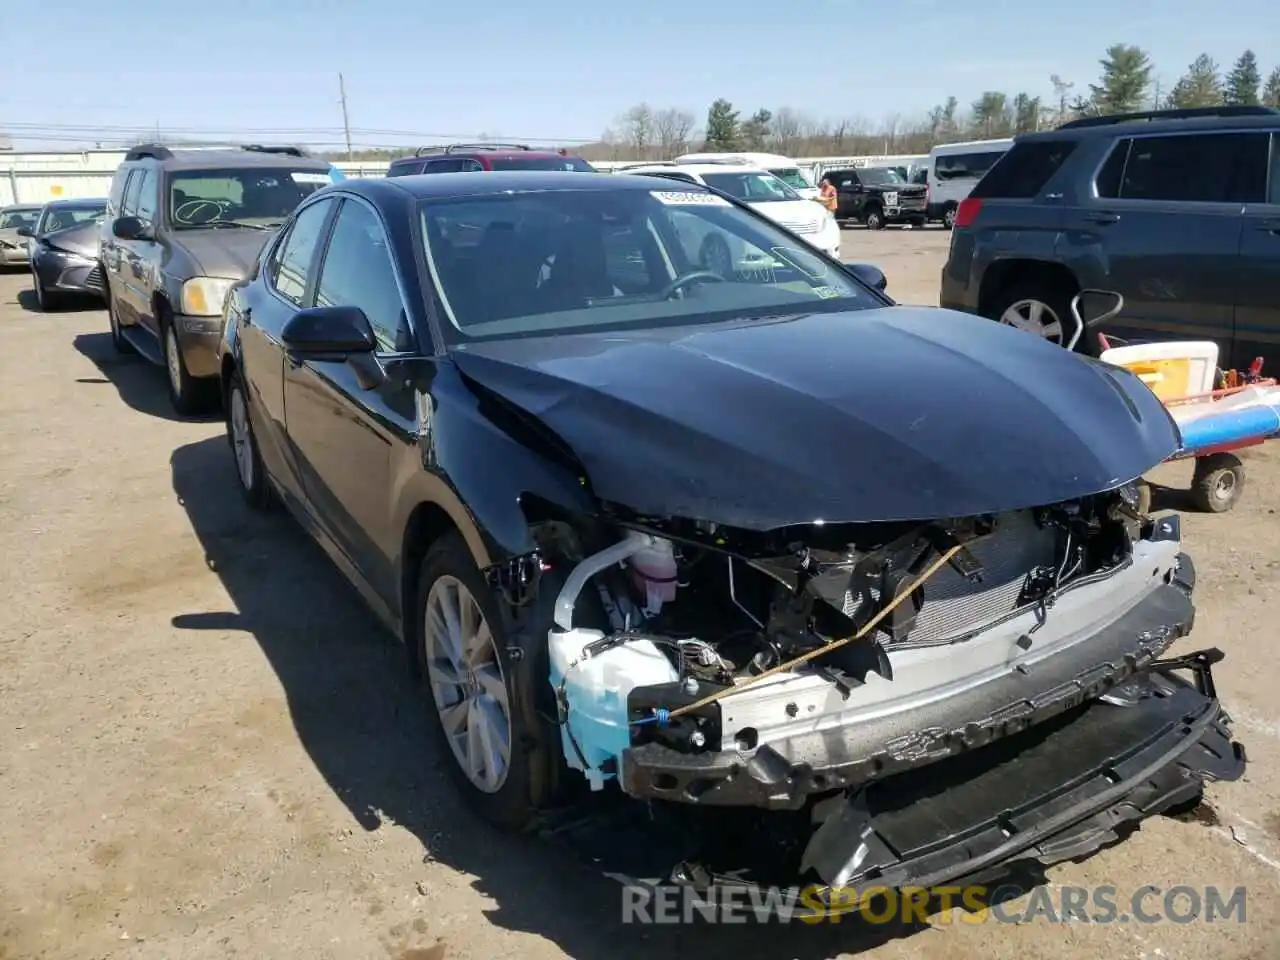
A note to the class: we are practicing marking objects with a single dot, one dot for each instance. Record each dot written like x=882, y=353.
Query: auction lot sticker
x=681, y=198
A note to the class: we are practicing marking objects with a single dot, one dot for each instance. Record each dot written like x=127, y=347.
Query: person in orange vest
x=827, y=196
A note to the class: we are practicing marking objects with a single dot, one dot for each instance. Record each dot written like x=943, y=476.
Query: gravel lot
x=209, y=749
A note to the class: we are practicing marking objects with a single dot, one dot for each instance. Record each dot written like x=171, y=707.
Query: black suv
x=1177, y=210
x=182, y=226
x=877, y=196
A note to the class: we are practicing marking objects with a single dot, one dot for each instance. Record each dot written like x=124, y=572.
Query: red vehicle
x=481, y=157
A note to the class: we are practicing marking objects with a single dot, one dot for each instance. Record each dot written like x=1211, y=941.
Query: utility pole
x=346, y=125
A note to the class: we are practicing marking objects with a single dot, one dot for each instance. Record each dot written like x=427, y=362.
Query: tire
x=46, y=301
x=949, y=218
x=190, y=396
x=251, y=474
x=919, y=223
x=1052, y=299
x=1218, y=482
x=529, y=780
x=874, y=219
x=122, y=346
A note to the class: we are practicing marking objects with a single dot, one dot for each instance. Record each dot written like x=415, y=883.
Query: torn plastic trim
x=588, y=568
x=1109, y=766
x=782, y=774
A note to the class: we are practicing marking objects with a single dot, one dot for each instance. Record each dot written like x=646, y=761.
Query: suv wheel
x=118, y=340
x=874, y=219
x=949, y=218
x=1036, y=309
x=189, y=395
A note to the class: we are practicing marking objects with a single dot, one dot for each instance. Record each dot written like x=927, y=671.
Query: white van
x=784, y=168
x=955, y=169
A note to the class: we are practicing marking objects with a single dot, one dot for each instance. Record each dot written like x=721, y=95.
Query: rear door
x=1257, y=310
x=344, y=416
x=289, y=275
x=125, y=278
x=1164, y=221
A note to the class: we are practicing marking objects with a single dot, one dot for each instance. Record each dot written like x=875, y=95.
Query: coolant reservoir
x=596, y=692
x=653, y=570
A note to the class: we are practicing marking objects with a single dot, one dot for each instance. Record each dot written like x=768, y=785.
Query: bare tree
x=787, y=130
x=673, y=129
x=637, y=129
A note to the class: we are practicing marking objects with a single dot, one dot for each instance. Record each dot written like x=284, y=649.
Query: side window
x=1025, y=170
x=129, y=207
x=358, y=272
x=451, y=165
x=148, y=197
x=287, y=268
x=1275, y=170
x=1112, y=172
x=1198, y=168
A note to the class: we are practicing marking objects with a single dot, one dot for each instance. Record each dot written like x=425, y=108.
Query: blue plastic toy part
x=1232, y=426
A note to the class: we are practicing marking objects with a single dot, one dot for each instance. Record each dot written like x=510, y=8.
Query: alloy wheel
x=467, y=683
x=241, y=440
x=949, y=218
x=173, y=360
x=1034, y=316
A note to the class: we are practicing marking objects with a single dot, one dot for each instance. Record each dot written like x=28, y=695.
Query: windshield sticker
x=826, y=293
x=682, y=198
x=311, y=178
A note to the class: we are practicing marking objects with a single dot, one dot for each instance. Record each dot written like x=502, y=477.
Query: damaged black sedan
x=668, y=505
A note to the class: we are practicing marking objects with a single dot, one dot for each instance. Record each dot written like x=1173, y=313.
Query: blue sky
x=535, y=69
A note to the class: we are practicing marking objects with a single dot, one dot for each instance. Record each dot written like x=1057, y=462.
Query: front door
x=1257, y=316
x=344, y=417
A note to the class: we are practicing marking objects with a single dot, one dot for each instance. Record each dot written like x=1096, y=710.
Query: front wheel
x=189, y=395
x=482, y=685
x=949, y=218
x=46, y=300
x=874, y=219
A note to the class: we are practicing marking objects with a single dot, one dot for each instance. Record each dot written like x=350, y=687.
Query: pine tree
x=1243, y=81
x=1200, y=86
x=1126, y=75
x=722, y=126
x=1271, y=92
x=756, y=130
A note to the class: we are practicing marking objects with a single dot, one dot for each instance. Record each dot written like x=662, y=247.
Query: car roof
x=1157, y=126
x=21, y=206
x=428, y=185
x=79, y=202
x=222, y=159
x=503, y=154
x=699, y=169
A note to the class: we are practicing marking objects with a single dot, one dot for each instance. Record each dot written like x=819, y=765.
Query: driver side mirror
x=869, y=274
x=26, y=232
x=338, y=331
x=129, y=228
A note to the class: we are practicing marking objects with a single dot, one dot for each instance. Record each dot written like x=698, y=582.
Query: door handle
x=1103, y=218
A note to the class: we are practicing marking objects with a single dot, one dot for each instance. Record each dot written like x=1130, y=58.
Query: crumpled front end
x=838, y=672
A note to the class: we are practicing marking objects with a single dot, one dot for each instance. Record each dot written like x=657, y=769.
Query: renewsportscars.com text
x=1102, y=904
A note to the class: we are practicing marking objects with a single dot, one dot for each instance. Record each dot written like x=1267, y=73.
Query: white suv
x=769, y=195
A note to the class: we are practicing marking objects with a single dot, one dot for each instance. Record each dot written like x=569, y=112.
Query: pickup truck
x=877, y=196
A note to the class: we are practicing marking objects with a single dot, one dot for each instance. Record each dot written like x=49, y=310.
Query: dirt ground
x=209, y=749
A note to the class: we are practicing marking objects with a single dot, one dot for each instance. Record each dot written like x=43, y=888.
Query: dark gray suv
x=183, y=225
x=1178, y=210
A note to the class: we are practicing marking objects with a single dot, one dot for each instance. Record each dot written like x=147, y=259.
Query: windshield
x=60, y=218
x=542, y=163
x=559, y=261
x=792, y=177
x=14, y=219
x=751, y=187
x=880, y=176
x=251, y=197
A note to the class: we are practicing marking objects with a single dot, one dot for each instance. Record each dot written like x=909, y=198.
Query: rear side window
x=964, y=166
x=1024, y=170
x=1197, y=168
x=399, y=169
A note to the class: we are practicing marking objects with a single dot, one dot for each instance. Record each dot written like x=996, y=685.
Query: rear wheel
x=1218, y=482
x=949, y=217
x=118, y=341
x=1036, y=308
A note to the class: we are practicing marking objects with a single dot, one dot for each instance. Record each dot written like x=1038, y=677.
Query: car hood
x=225, y=252
x=900, y=413
x=80, y=239
x=11, y=235
x=793, y=213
